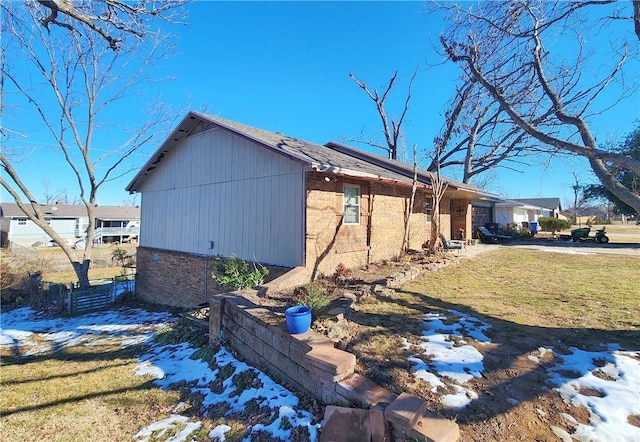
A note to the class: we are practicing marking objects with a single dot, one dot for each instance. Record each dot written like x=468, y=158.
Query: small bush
x=236, y=274
x=125, y=260
x=549, y=224
x=516, y=232
x=312, y=295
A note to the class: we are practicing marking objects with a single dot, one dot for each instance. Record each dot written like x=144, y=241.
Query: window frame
x=345, y=205
x=428, y=209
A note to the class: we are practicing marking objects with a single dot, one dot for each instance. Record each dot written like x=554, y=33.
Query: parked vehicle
x=582, y=234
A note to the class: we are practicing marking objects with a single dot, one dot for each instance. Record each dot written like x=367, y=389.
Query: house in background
x=527, y=210
x=112, y=224
x=551, y=207
x=217, y=187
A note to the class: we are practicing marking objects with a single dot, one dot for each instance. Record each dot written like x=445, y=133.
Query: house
x=112, y=224
x=218, y=187
x=517, y=211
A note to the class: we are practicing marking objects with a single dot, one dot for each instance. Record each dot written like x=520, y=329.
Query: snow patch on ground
x=171, y=364
x=607, y=383
x=28, y=332
x=452, y=360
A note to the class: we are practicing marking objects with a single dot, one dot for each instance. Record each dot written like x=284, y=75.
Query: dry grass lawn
x=531, y=299
x=80, y=394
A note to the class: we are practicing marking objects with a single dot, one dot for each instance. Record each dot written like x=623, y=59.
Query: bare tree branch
x=111, y=19
x=80, y=79
x=547, y=98
x=392, y=130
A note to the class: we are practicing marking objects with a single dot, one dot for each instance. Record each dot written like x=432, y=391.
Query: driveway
x=581, y=248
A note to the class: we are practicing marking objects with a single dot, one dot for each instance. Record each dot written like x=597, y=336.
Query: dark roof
x=331, y=158
x=545, y=203
x=11, y=210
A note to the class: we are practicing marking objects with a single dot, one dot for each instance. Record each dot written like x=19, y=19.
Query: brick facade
x=173, y=278
x=381, y=230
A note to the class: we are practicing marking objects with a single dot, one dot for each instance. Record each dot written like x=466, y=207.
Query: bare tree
x=636, y=17
x=544, y=89
x=113, y=20
x=438, y=188
x=81, y=80
x=409, y=210
x=391, y=129
x=477, y=136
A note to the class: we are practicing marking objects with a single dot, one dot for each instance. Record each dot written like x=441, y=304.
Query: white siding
x=29, y=234
x=216, y=186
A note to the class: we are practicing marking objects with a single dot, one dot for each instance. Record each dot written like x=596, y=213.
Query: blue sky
x=284, y=66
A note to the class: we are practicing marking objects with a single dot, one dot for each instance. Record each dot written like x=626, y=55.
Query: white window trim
x=344, y=203
x=428, y=211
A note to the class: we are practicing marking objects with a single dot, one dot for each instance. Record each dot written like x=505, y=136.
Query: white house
x=112, y=224
x=526, y=210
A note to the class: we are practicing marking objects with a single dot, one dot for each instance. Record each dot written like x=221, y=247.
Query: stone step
x=343, y=424
x=364, y=392
x=405, y=412
x=434, y=428
x=330, y=363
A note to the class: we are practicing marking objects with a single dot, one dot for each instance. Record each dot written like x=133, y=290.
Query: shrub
x=312, y=295
x=125, y=260
x=237, y=274
x=516, y=232
x=549, y=224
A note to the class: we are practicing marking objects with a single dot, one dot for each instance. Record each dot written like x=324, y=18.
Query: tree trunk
x=409, y=211
x=82, y=272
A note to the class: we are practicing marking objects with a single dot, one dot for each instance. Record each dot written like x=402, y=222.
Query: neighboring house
x=517, y=211
x=217, y=187
x=112, y=224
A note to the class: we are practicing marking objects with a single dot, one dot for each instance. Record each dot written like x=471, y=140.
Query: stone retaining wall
x=308, y=362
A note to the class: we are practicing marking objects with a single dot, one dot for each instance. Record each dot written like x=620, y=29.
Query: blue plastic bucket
x=298, y=319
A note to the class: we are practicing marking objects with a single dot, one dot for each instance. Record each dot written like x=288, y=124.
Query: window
x=351, y=212
x=428, y=208
x=22, y=221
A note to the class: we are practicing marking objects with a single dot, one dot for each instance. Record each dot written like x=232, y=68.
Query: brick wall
x=380, y=233
x=173, y=278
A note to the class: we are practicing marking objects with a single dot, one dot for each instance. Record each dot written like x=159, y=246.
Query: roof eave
x=182, y=131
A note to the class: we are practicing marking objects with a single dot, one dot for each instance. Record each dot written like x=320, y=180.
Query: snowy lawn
x=606, y=383
x=231, y=399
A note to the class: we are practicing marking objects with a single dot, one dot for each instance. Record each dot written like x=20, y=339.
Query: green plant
x=312, y=295
x=237, y=274
x=549, y=224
